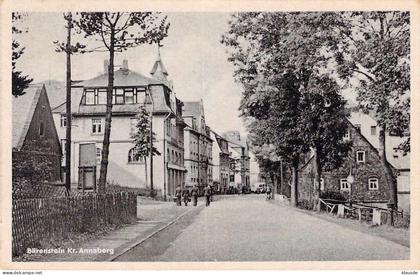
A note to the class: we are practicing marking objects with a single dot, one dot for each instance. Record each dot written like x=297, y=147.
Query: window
x=63, y=120
x=98, y=155
x=141, y=96
x=101, y=99
x=232, y=178
x=96, y=126
x=89, y=97
x=41, y=128
x=347, y=135
x=360, y=156
x=132, y=158
x=373, y=130
x=321, y=184
x=373, y=184
x=129, y=97
x=119, y=96
x=344, y=185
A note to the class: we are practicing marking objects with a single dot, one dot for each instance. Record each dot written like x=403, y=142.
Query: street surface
x=249, y=228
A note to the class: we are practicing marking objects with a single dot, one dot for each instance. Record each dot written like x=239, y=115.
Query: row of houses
x=190, y=152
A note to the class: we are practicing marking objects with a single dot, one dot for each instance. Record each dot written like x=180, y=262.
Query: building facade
x=198, y=146
x=131, y=90
x=221, y=163
x=363, y=163
x=239, y=172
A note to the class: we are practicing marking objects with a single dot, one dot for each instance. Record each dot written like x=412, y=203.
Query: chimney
x=106, y=64
x=125, y=65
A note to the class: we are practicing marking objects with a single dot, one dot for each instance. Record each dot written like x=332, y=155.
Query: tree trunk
x=294, y=187
x=108, y=117
x=68, y=105
x=145, y=170
x=389, y=175
x=282, y=183
x=317, y=169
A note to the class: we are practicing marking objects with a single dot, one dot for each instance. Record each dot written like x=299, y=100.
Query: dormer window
x=89, y=97
x=98, y=96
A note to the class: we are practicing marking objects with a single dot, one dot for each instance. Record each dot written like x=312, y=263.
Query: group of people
x=186, y=194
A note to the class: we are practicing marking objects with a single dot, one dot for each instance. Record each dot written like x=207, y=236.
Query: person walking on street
x=194, y=194
x=269, y=192
x=207, y=194
x=186, y=196
x=178, y=195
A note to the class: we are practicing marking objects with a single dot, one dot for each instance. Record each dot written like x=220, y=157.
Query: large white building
x=131, y=90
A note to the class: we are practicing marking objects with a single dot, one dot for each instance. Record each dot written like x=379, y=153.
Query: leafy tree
x=282, y=61
x=116, y=32
x=377, y=52
x=141, y=137
x=19, y=81
x=326, y=125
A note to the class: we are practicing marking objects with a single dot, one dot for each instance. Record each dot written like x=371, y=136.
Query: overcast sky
x=192, y=53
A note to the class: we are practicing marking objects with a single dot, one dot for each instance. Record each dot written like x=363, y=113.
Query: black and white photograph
x=168, y=136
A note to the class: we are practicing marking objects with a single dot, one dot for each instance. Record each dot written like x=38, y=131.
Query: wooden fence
x=35, y=220
x=366, y=213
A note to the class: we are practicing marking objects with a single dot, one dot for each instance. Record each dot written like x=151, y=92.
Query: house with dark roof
x=363, y=163
x=198, y=146
x=36, y=151
x=131, y=90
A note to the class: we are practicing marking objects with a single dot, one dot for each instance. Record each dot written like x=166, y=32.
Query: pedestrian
x=269, y=192
x=186, y=196
x=207, y=194
x=194, y=194
x=178, y=195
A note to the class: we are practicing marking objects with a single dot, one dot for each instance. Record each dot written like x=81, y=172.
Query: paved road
x=248, y=228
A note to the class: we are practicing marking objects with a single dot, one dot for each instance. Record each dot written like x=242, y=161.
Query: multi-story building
x=221, y=163
x=198, y=146
x=131, y=90
x=239, y=160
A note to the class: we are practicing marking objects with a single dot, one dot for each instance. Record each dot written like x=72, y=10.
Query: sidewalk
x=152, y=215
x=397, y=235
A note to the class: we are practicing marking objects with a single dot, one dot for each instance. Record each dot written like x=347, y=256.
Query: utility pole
x=152, y=191
x=68, y=102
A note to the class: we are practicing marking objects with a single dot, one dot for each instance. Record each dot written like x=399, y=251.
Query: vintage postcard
x=225, y=134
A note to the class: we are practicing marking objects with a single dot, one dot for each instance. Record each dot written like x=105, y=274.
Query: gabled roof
x=23, y=108
x=56, y=91
x=122, y=78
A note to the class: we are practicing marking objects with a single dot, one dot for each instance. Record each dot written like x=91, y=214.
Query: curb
x=125, y=250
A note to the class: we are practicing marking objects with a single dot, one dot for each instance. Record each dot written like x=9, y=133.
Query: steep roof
x=366, y=121
x=122, y=78
x=23, y=108
x=158, y=69
x=56, y=91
